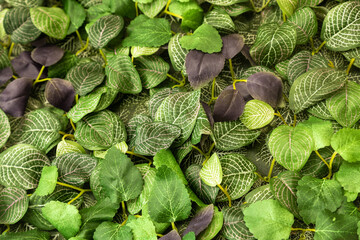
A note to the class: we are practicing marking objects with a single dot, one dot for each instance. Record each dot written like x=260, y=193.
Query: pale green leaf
x=287, y=6
x=64, y=217
x=13, y=205
x=346, y=142
x=348, y=176
x=153, y=8
x=52, y=21
x=321, y=130
x=67, y=146
x=314, y=86
x=4, y=128
x=320, y=110
x=133, y=124
x=25, y=3
x=308, y=3
x=142, y=228
x=202, y=127
x=225, y=2
x=220, y=20
x=77, y=14
x=259, y=194
x=143, y=51
x=236, y=9
x=257, y=114
x=112, y=231
x=211, y=173
x=47, y=182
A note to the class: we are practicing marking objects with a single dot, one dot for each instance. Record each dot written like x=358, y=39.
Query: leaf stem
x=284, y=17
x=319, y=48
x=331, y=64
x=83, y=48
x=262, y=7
x=322, y=159
x=79, y=195
x=72, y=124
x=173, y=14
x=67, y=135
x=312, y=44
x=238, y=80
x=199, y=150
x=41, y=80
x=166, y=6
x=281, y=117
x=173, y=226
x=294, y=124
x=231, y=69
x=349, y=66
x=173, y=78
x=267, y=179
x=213, y=98
x=259, y=175
x=103, y=56
x=39, y=75
x=124, y=209
x=140, y=156
x=76, y=98
x=330, y=165
x=225, y=192
x=303, y=229
x=159, y=235
x=79, y=37
x=73, y=187
x=11, y=49
x=124, y=222
x=136, y=9
x=182, y=83
x=7, y=229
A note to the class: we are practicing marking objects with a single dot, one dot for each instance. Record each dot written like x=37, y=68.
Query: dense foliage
x=181, y=119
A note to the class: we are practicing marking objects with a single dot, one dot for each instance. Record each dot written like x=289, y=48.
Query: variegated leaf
x=320, y=110
x=177, y=53
x=353, y=53
x=259, y=194
x=152, y=9
x=25, y=3
x=143, y=51
x=220, y=20
x=202, y=127
x=236, y=9
x=157, y=99
x=13, y=205
x=257, y=114
x=211, y=173
x=5, y=129
x=287, y=6
x=132, y=125
x=234, y=224
x=225, y=2
x=308, y=3
x=105, y=29
x=152, y=70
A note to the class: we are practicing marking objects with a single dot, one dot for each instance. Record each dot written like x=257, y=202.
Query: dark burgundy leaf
x=39, y=42
x=229, y=106
x=24, y=66
x=14, y=98
x=245, y=51
x=203, y=67
x=5, y=75
x=242, y=88
x=173, y=235
x=232, y=45
x=60, y=93
x=47, y=55
x=209, y=115
x=200, y=221
x=266, y=87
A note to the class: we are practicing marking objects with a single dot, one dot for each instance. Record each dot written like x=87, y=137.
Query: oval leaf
x=211, y=173
x=13, y=205
x=60, y=93
x=257, y=114
x=228, y=106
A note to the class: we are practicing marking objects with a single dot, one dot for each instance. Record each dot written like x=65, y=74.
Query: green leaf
x=257, y=114
x=346, y=142
x=287, y=6
x=220, y=20
x=100, y=130
x=31, y=235
x=4, y=128
x=340, y=28
x=234, y=225
x=153, y=8
x=335, y=226
x=122, y=75
x=348, y=176
x=18, y=24
x=267, y=219
x=192, y=19
x=137, y=51
x=112, y=231
x=133, y=124
x=353, y=53
x=154, y=136
x=259, y=194
x=145, y=32
x=21, y=166
x=214, y=227
x=313, y=197
x=60, y=69
x=344, y=104
x=284, y=189
x=238, y=175
x=205, y=38
x=224, y=2
x=47, y=182
x=233, y=135
x=202, y=127
x=169, y=200
x=314, y=86
x=322, y=131
x=64, y=217
x=189, y=236
x=320, y=110
x=119, y=178
x=13, y=205
x=142, y=228
x=74, y=168
x=105, y=29
x=211, y=173
x=85, y=77
x=177, y=53
x=273, y=44
x=308, y=3
x=291, y=146
x=67, y=146
x=152, y=70
x=305, y=22
x=122, y=8
x=52, y=21
x=180, y=109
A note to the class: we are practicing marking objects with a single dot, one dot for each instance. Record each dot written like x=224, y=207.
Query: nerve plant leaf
x=291, y=146
x=205, y=38
x=234, y=224
x=267, y=219
x=232, y=45
x=14, y=98
x=265, y=87
x=119, y=178
x=47, y=182
x=60, y=93
x=287, y=7
x=228, y=106
x=21, y=166
x=64, y=217
x=211, y=173
x=169, y=200
x=47, y=55
x=34, y=234
x=5, y=129
x=346, y=142
x=257, y=114
x=13, y=204
x=202, y=67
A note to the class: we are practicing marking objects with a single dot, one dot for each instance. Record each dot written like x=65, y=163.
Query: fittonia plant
x=182, y=119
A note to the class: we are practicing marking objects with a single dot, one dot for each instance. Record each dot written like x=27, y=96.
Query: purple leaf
x=203, y=67
x=200, y=221
x=47, y=55
x=266, y=87
x=24, y=66
x=60, y=93
x=5, y=75
x=242, y=88
x=13, y=99
x=229, y=106
x=172, y=235
x=232, y=45
x=207, y=110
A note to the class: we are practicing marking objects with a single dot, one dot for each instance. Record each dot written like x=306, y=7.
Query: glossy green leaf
x=152, y=70
x=346, y=142
x=202, y=127
x=322, y=131
x=305, y=22
x=287, y=6
x=77, y=14
x=224, y=2
x=13, y=205
x=320, y=110
x=211, y=173
x=259, y=194
x=257, y=114
x=137, y=51
x=67, y=146
x=47, y=182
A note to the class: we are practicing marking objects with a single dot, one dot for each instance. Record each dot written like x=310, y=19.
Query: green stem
x=7, y=229
x=213, y=98
x=267, y=179
x=238, y=80
x=173, y=14
x=226, y=193
x=11, y=49
x=39, y=75
x=72, y=124
x=330, y=165
x=123, y=209
x=140, y=156
x=294, y=124
x=322, y=159
x=231, y=69
x=182, y=83
x=79, y=37
x=136, y=9
x=303, y=229
x=281, y=117
x=319, y=48
x=73, y=187
x=68, y=135
x=173, y=78
x=350, y=65
x=41, y=80
x=103, y=56
x=83, y=48
x=199, y=150
x=259, y=175
x=173, y=226
x=284, y=17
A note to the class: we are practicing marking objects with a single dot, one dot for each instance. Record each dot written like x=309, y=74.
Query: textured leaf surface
x=142, y=228
x=234, y=224
x=4, y=128
x=347, y=142
x=177, y=53
x=112, y=231
x=314, y=86
x=31, y=234
x=201, y=220
x=305, y=22
x=322, y=131
x=211, y=173
x=257, y=114
x=348, y=176
x=152, y=8
x=152, y=70
x=220, y=20
x=287, y=7
x=13, y=205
